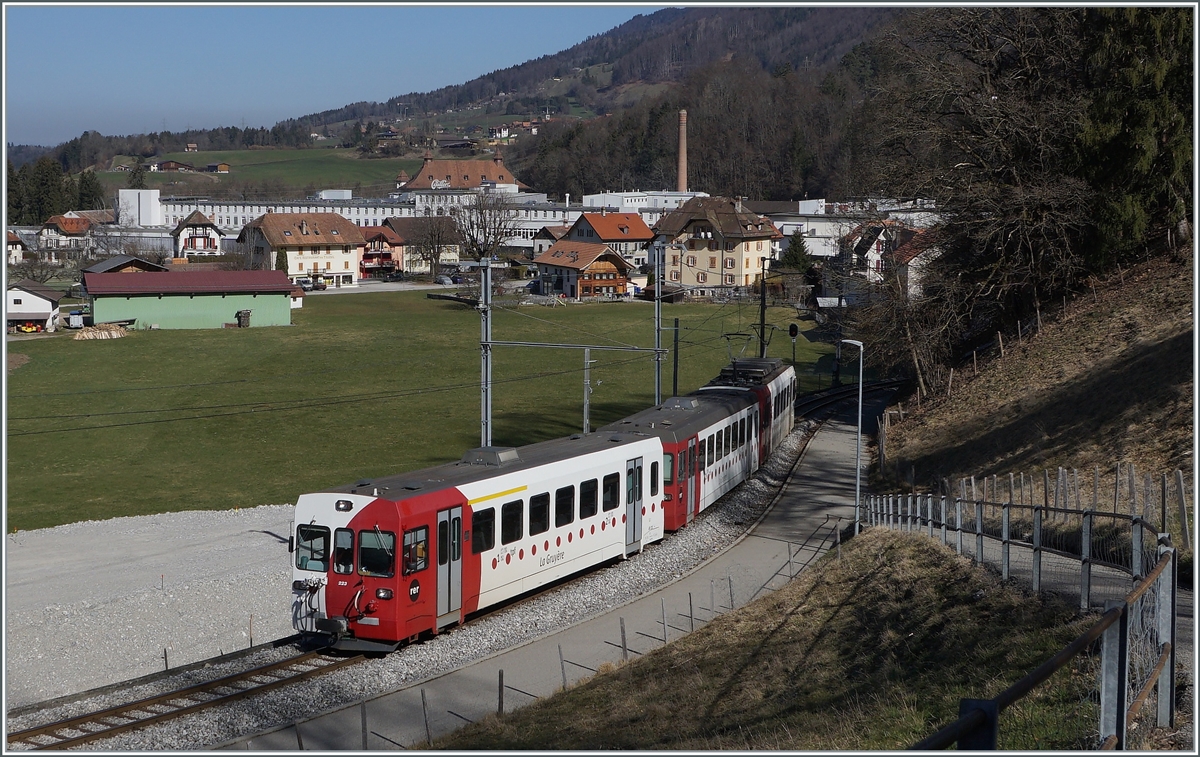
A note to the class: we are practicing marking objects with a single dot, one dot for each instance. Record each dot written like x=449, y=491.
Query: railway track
x=112, y=721
x=809, y=404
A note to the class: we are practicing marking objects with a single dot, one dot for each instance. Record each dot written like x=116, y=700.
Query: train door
x=633, y=505
x=449, y=566
x=692, y=493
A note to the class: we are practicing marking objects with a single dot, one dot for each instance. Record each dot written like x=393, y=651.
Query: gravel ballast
x=106, y=616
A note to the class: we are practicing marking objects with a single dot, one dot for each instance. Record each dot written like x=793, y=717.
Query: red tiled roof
x=461, y=174
x=187, y=282
x=68, y=225
x=304, y=229
x=919, y=243
x=14, y=239
x=579, y=255
x=554, y=232
x=410, y=229
x=619, y=227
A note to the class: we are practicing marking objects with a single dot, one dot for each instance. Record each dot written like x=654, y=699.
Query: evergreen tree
x=91, y=192
x=45, y=191
x=16, y=196
x=137, y=177
x=281, y=261
x=797, y=256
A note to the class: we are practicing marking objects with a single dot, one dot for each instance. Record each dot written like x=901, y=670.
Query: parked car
x=305, y=283
x=394, y=276
x=443, y=280
x=320, y=285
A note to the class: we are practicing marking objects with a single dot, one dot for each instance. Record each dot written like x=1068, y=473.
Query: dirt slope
x=1109, y=380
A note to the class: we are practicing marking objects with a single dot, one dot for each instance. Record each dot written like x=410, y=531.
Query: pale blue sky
x=139, y=69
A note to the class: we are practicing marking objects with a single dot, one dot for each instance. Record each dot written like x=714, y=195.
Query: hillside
x=1109, y=380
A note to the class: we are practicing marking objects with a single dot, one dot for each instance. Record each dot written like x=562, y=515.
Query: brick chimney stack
x=682, y=179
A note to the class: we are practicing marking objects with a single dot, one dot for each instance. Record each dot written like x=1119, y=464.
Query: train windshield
x=376, y=553
x=312, y=548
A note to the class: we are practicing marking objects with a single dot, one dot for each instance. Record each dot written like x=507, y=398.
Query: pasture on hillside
x=324, y=168
x=361, y=385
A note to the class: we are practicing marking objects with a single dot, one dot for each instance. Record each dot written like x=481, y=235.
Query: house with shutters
x=322, y=246
x=582, y=270
x=711, y=243
x=547, y=236
x=63, y=237
x=383, y=253
x=625, y=233
x=412, y=233
x=196, y=235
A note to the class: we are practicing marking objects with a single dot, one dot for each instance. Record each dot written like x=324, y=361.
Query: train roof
x=482, y=463
x=681, y=417
x=748, y=372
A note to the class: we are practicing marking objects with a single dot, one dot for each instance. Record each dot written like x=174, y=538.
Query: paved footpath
x=802, y=521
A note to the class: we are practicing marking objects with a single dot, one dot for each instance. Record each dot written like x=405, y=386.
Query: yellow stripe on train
x=497, y=494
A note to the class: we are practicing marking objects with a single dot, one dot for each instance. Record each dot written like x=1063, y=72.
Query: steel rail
x=52, y=730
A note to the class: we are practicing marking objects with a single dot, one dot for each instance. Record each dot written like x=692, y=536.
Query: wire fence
x=1119, y=562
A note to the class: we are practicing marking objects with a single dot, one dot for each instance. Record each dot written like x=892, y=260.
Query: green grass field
x=361, y=385
x=325, y=168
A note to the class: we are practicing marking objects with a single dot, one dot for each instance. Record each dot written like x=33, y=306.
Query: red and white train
x=384, y=561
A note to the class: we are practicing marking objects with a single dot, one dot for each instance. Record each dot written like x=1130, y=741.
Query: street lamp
x=858, y=444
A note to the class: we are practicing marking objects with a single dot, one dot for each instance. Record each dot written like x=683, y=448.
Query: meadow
x=361, y=385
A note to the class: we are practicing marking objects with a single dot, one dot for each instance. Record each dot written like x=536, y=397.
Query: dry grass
x=16, y=360
x=872, y=652
x=1111, y=380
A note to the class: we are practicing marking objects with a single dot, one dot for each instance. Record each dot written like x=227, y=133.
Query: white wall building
x=140, y=207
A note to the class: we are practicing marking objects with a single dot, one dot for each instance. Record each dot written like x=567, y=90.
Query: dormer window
x=335, y=231
x=287, y=233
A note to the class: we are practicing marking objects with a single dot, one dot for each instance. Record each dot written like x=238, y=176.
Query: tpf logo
x=414, y=590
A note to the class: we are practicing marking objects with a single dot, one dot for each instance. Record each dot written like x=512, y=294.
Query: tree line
x=42, y=189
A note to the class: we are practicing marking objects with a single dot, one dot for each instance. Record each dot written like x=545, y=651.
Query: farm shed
x=32, y=306
x=190, y=299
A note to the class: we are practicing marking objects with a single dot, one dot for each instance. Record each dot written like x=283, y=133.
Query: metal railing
x=1120, y=562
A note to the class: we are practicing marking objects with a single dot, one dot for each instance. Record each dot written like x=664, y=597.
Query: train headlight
x=299, y=586
x=383, y=593
x=343, y=505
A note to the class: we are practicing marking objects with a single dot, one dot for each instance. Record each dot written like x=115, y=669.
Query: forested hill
x=663, y=47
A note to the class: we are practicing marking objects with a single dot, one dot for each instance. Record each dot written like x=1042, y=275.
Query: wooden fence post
x=1182, y=497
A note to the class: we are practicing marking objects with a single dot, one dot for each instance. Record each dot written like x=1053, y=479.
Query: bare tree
x=486, y=224
x=35, y=268
x=433, y=239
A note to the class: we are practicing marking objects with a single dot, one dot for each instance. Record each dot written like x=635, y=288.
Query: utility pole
x=762, y=311
x=658, y=269
x=675, y=357
x=485, y=347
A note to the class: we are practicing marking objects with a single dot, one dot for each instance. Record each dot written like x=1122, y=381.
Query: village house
x=323, y=246
x=383, y=254
x=16, y=249
x=581, y=270
x=217, y=168
x=31, y=306
x=547, y=236
x=461, y=174
x=624, y=233
x=411, y=232
x=196, y=235
x=714, y=242
x=64, y=237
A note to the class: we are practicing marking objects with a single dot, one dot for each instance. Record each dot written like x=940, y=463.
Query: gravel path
x=229, y=565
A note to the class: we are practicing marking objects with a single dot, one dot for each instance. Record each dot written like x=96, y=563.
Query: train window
x=312, y=548
x=721, y=446
x=701, y=454
x=612, y=491
x=564, y=506
x=443, y=542
x=377, y=551
x=343, y=551
x=669, y=467
x=742, y=432
x=510, y=521
x=483, y=530
x=654, y=477
x=588, y=503
x=692, y=457
x=728, y=439
x=711, y=450
x=539, y=513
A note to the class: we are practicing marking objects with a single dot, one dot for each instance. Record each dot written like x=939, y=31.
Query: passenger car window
x=510, y=521
x=612, y=491
x=654, y=477
x=377, y=552
x=483, y=530
x=588, y=503
x=416, y=549
x=539, y=513
x=669, y=466
x=312, y=548
x=343, y=551
x=564, y=506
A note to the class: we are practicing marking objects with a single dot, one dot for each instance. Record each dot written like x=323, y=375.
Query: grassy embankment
x=872, y=652
x=361, y=385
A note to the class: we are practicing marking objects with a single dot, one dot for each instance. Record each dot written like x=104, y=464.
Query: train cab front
x=344, y=567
